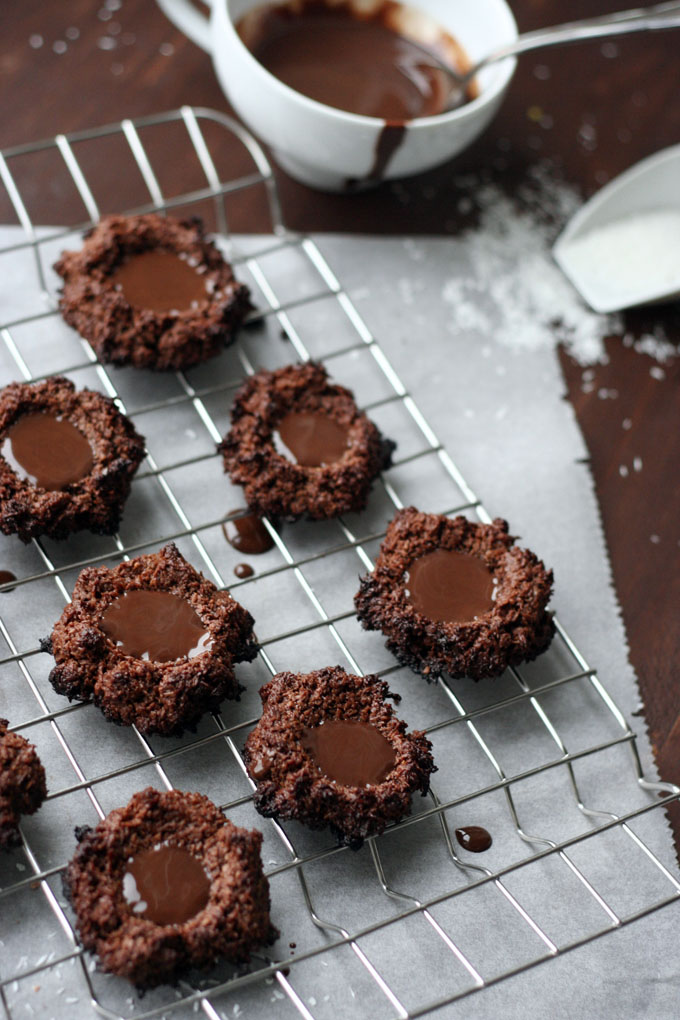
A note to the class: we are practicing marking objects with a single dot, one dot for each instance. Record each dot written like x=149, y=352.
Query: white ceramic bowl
x=325, y=147
x=622, y=248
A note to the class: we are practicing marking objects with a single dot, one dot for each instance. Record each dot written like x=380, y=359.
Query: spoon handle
x=639, y=19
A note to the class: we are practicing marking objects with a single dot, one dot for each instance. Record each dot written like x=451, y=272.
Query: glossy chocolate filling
x=155, y=625
x=6, y=576
x=349, y=752
x=47, y=451
x=166, y=885
x=311, y=439
x=160, y=281
x=247, y=534
x=450, y=586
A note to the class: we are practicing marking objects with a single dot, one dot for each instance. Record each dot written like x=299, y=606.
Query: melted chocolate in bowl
x=166, y=885
x=358, y=62
x=450, y=586
x=247, y=534
x=311, y=439
x=47, y=451
x=155, y=625
x=160, y=281
x=349, y=752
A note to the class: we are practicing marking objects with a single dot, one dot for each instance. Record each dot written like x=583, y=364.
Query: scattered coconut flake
x=506, y=284
x=657, y=372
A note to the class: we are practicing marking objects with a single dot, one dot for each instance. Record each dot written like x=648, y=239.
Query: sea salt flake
x=626, y=424
x=72, y=33
x=637, y=464
x=655, y=539
x=657, y=372
x=35, y=41
x=623, y=470
x=59, y=46
x=506, y=280
x=105, y=42
x=166, y=49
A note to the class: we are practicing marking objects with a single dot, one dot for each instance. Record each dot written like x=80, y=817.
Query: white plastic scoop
x=622, y=248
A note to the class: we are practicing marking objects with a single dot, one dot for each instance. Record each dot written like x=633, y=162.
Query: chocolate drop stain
x=474, y=838
x=243, y=570
x=246, y=533
x=5, y=577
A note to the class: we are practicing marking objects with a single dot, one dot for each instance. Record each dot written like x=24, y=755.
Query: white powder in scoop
x=631, y=258
x=506, y=284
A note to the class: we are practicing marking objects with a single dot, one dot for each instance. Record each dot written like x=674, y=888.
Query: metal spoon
x=640, y=19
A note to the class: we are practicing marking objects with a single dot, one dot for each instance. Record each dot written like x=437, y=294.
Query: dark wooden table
x=78, y=64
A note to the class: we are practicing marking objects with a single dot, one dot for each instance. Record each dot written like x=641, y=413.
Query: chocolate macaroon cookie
x=67, y=459
x=151, y=642
x=168, y=884
x=330, y=751
x=456, y=597
x=22, y=783
x=152, y=292
x=300, y=447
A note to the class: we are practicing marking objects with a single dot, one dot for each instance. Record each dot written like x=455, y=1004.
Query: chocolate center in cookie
x=450, y=586
x=47, y=451
x=166, y=885
x=350, y=752
x=155, y=625
x=312, y=439
x=160, y=281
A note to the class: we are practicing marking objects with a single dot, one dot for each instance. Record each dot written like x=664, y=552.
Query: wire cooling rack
x=408, y=924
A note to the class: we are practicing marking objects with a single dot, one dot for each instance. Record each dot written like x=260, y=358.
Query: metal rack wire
x=481, y=719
